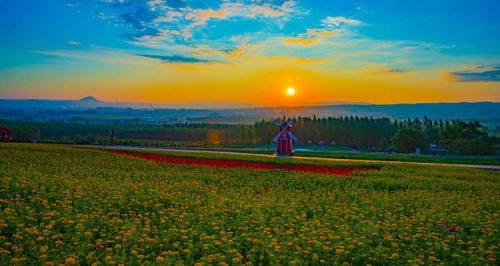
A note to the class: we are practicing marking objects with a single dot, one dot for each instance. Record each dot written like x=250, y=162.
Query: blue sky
x=171, y=50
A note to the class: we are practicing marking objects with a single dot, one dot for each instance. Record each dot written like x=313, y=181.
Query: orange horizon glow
x=258, y=84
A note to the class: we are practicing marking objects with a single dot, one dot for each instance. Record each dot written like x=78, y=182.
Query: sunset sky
x=251, y=51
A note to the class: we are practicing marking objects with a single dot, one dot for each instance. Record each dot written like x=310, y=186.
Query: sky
x=251, y=51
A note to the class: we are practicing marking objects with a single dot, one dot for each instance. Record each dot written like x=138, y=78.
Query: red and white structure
x=284, y=139
x=5, y=134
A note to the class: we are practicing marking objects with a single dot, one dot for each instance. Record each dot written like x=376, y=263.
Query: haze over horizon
x=251, y=51
x=91, y=101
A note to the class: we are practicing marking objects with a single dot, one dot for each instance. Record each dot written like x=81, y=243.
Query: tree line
x=366, y=133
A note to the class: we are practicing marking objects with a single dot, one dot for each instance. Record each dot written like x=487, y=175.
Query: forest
x=361, y=133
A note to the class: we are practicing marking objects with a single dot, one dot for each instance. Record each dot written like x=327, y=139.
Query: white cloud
x=170, y=16
x=199, y=17
x=335, y=22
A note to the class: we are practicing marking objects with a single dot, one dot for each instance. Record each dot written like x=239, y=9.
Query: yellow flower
x=211, y=258
x=160, y=259
x=69, y=261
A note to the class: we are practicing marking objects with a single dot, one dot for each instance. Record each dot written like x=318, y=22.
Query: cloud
x=299, y=60
x=149, y=20
x=310, y=37
x=395, y=71
x=201, y=16
x=169, y=16
x=174, y=58
x=336, y=22
x=300, y=41
x=98, y=54
x=477, y=74
x=321, y=33
x=384, y=71
x=240, y=49
x=74, y=43
x=266, y=11
x=170, y=3
x=139, y=17
x=229, y=9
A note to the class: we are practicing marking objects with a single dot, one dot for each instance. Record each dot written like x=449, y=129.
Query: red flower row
x=243, y=164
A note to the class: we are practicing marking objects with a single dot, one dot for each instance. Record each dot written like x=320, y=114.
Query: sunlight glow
x=290, y=91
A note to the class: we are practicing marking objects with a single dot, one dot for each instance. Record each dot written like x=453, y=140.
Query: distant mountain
x=88, y=99
x=444, y=111
x=92, y=102
x=88, y=102
x=84, y=103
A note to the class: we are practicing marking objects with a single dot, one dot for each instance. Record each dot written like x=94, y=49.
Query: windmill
x=284, y=138
x=5, y=134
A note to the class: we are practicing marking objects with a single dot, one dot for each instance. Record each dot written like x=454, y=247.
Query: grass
x=481, y=160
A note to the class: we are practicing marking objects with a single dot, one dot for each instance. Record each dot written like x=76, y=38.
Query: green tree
x=467, y=138
x=408, y=139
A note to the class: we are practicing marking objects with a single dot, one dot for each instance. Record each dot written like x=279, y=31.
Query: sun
x=290, y=91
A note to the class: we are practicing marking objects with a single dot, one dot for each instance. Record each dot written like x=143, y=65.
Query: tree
x=408, y=139
x=467, y=138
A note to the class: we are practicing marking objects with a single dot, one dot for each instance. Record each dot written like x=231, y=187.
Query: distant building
x=436, y=150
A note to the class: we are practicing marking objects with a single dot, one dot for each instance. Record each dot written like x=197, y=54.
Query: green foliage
x=408, y=139
x=467, y=138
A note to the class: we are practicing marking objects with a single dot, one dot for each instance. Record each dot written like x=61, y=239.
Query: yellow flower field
x=71, y=206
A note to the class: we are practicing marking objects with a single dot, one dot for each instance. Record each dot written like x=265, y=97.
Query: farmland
x=63, y=205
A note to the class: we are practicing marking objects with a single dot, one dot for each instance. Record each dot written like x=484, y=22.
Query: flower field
x=71, y=206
